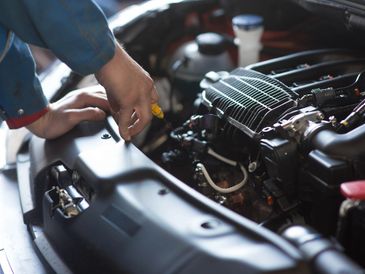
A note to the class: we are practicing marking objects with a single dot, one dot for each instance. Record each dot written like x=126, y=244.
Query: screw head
x=106, y=136
x=163, y=191
x=210, y=224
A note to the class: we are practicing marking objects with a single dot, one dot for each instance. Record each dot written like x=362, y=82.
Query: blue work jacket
x=76, y=31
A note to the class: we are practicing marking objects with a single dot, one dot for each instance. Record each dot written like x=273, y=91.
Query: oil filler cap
x=354, y=190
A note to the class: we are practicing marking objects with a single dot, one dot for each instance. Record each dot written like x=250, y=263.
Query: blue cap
x=247, y=21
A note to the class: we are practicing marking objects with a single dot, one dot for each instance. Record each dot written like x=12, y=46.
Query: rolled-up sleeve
x=21, y=98
x=75, y=30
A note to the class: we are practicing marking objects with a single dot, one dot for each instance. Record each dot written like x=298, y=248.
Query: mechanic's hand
x=66, y=113
x=130, y=91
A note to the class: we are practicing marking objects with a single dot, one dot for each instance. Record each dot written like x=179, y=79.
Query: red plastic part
x=354, y=190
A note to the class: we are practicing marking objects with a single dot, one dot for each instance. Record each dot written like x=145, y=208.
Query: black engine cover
x=249, y=100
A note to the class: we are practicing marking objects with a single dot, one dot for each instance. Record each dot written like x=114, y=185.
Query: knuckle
x=99, y=114
x=82, y=96
x=94, y=114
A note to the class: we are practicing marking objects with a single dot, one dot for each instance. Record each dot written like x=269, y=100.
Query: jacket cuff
x=25, y=120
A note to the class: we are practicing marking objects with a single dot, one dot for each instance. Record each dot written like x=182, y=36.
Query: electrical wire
x=220, y=189
x=230, y=162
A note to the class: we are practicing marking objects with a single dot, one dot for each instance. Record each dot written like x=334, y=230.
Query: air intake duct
x=325, y=255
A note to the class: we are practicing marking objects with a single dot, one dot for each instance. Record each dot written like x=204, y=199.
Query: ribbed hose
x=349, y=145
x=324, y=255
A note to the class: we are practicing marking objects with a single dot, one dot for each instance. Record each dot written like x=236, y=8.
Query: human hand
x=130, y=91
x=63, y=115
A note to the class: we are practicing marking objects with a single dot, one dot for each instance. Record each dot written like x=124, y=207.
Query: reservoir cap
x=211, y=43
x=354, y=190
x=248, y=21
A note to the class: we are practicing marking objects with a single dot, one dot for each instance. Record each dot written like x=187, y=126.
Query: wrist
x=37, y=127
x=113, y=70
x=26, y=120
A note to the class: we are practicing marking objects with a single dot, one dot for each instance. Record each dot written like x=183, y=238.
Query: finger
x=83, y=100
x=134, y=118
x=90, y=89
x=124, y=118
x=79, y=100
x=144, y=117
x=95, y=88
x=76, y=116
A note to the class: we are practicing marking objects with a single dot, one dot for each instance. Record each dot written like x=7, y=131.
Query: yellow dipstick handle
x=157, y=111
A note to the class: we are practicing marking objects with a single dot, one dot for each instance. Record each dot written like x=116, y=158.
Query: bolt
x=320, y=116
x=211, y=224
x=333, y=120
x=221, y=199
x=106, y=136
x=163, y=191
x=252, y=166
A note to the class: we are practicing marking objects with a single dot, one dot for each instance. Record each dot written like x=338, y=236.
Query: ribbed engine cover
x=248, y=100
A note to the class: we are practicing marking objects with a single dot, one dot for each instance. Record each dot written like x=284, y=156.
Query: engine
x=254, y=167
x=275, y=140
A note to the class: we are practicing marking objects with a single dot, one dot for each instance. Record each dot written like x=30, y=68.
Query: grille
x=248, y=99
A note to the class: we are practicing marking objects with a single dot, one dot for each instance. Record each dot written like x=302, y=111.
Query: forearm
x=75, y=31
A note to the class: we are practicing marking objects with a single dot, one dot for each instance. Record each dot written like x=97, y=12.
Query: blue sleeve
x=76, y=31
x=21, y=98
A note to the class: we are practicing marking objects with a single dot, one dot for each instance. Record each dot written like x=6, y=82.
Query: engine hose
x=349, y=145
x=325, y=256
x=221, y=189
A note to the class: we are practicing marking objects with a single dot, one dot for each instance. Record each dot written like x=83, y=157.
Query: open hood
x=350, y=12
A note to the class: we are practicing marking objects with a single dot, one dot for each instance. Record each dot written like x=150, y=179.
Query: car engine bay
x=280, y=142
